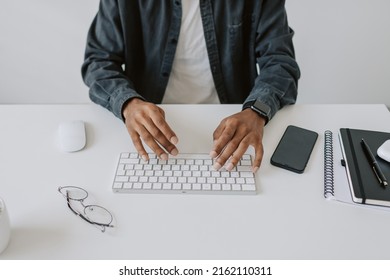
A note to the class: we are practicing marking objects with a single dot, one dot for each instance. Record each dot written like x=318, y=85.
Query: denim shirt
x=131, y=45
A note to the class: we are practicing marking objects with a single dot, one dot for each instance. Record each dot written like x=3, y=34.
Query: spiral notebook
x=337, y=186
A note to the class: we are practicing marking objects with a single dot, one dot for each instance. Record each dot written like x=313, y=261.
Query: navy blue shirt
x=131, y=46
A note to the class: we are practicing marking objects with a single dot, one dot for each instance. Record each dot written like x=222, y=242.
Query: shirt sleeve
x=102, y=69
x=277, y=83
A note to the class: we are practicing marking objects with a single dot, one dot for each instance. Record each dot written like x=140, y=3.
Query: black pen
x=374, y=164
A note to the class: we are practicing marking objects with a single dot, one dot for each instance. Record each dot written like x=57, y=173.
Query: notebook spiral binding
x=328, y=165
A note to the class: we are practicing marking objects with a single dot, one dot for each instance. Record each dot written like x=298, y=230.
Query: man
x=144, y=52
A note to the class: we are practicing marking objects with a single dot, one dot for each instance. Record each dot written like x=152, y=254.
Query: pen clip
x=374, y=164
x=377, y=175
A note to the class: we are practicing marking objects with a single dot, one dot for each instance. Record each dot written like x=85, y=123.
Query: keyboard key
x=121, y=179
x=117, y=185
x=127, y=185
x=247, y=187
x=226, y=187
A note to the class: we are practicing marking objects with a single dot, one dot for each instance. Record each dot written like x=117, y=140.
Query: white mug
x=5, y=227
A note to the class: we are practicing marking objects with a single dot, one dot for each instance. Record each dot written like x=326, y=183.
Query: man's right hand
x=146, y=122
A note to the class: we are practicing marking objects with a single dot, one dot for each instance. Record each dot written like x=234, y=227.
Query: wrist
x=126, y=108
x=254, y=115
x=260, y=108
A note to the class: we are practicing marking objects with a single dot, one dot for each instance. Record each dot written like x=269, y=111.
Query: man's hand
x=146, y=122
x=234, y=135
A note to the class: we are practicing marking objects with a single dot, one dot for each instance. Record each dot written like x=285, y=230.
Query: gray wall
x=342, y=46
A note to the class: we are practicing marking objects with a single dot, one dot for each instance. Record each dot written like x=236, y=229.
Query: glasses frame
x=81, y=200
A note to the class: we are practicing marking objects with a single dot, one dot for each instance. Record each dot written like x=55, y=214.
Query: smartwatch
x=261, y=108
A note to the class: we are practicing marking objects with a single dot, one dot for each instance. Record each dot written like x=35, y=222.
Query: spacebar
x=191, y=156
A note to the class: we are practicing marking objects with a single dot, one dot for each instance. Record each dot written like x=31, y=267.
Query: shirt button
x=174, y=41
x=165, y=74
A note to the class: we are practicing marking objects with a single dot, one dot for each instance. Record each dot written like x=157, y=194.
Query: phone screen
x=294, y=149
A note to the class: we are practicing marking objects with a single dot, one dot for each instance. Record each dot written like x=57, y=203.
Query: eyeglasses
x=93, y=214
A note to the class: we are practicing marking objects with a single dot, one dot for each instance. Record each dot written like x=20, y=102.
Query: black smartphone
x=294, y=149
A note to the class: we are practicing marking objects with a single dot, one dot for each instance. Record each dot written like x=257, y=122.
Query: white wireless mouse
x=72, y=136
x=384, y=151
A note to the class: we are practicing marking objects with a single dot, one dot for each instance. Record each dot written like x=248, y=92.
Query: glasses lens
x=98, y=214
x=74, y=193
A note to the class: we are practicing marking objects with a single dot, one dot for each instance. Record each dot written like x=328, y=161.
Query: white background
x=342, y=46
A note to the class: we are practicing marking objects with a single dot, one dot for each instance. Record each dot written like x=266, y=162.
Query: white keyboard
x=185, y=173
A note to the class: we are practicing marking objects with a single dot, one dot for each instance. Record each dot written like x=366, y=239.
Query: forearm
x=108, y=88
x=102, y=69
x=277, y=82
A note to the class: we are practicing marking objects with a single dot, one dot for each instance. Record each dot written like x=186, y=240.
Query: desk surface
x=287, y=219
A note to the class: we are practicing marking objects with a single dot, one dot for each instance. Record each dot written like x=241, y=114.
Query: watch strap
x=259, y=107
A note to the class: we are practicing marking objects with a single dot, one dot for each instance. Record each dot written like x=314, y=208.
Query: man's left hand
x=234, y=135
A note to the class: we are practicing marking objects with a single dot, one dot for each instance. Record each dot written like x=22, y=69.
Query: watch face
x=263, y=108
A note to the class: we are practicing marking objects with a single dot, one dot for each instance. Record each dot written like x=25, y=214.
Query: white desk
x=288, y=219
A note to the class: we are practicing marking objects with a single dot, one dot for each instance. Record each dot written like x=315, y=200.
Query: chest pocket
x=240, y=35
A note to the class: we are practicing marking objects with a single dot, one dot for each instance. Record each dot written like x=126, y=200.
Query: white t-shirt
x=191, y=80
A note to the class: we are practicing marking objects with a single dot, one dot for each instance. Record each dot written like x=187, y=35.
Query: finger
x=216, y=134
x=140, y=148
x=218, y=131
x=231, y=152
x=141, y=134
x=151, y=142
x=157, y=134
x=158, y=119
x=259, y=152
x=221, y=142
x=138, y=145
x=236, y=157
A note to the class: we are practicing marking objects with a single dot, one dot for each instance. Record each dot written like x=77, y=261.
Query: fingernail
x=174, y=152
x=174, y=140
x=255, y=169
x=230, y=166
x=144, y=157
x=217, y=166
x=213, y=154
x=164, y=156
